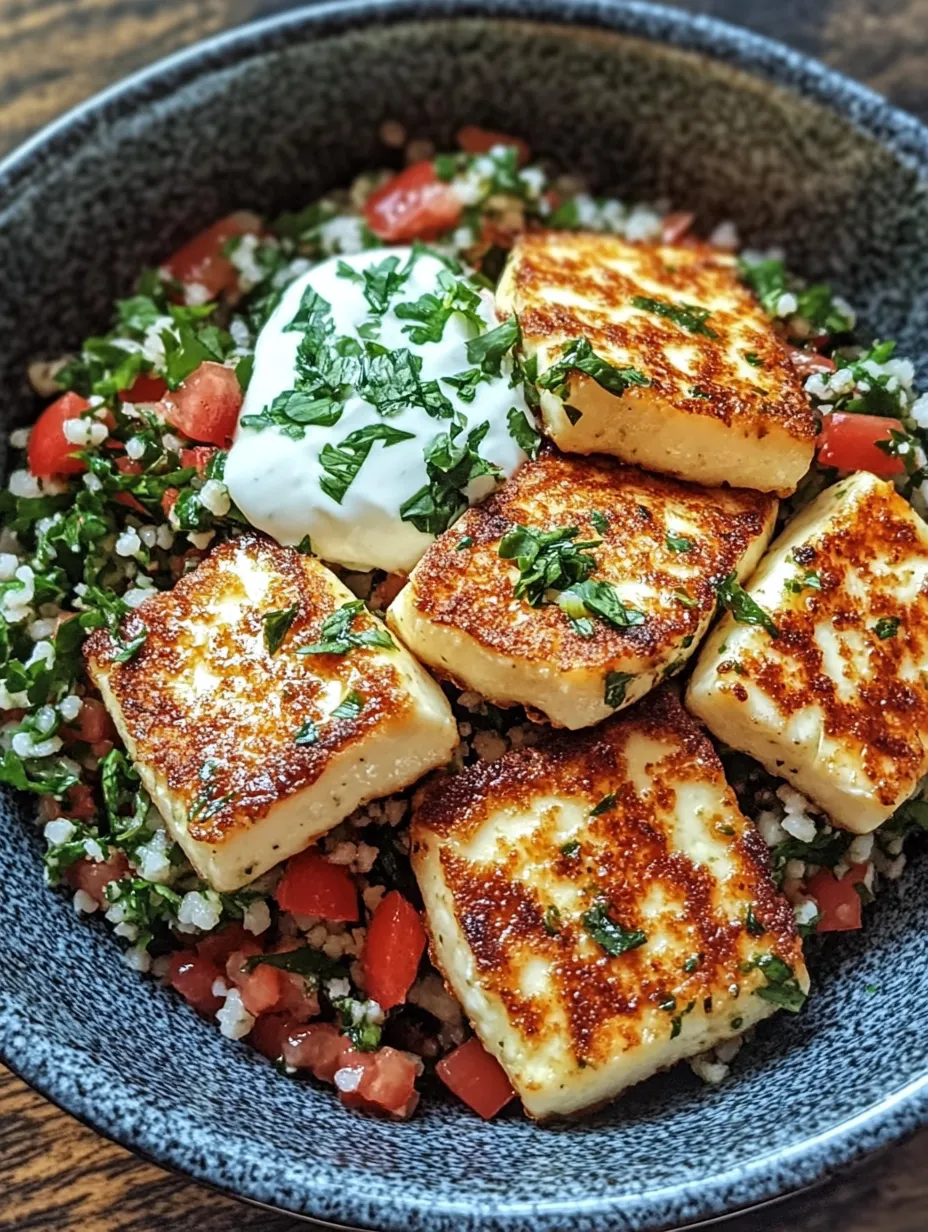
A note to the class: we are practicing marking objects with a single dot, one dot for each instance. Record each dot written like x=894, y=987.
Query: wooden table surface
x=56, y=1174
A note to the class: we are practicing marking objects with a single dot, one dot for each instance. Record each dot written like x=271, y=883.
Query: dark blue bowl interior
x=270, y=118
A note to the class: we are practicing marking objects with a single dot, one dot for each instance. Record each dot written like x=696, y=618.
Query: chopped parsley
x=684, y=598
x=277, y=625
x=809, y=580
x=487, y=351
x=579, y=356
x=754, y=359
x=381, y=282
x=782, y=987
x=429, y=315
x=692, y=963
x=571, y=848
x=679, y=543
x=606, y=805
x=307, y=733
x=465, y=542
x=599, y=599
x=887, y=626
x=609, y=933
x=552, y=920
x=337, y=636
x=452, y=463
x=616, y=685
x=752, y=923
x=688, y=316
x=523, y=432
x=547, y=560
x=599, y=521
x=206, y=804
x=735, y=599
x=342, y=462
x=312, y=964
x=350, y=706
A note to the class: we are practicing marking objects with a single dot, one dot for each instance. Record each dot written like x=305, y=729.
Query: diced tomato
x=392, y=950
x=93, y=721
x=197, y=457
x=476, y=1078
x=268, y=1034
x=93, y=877
x=838, y=901
x=312, y=885
x=475, y=140
x=128, y=466
x=675, y=226
x=168, y=500
x=201, y=260
x=49, y=452
x=217, y=946
x=849, y=442
x=414, y=205
x=145, y=388
x=298, y=999
x=386, y=591
x=206, y=406
x=261, y=987
x=317, y=1047
x=79, y=803
x=193, y=978
x=386, y=1081
x=807, y=363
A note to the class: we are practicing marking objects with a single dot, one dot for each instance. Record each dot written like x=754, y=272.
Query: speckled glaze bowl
x=646, y=102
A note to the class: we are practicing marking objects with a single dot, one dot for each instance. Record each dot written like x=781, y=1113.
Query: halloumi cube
x=720, y=402
x=837, y=704
x=251, y=751
x=662, y=548
x=601, y=908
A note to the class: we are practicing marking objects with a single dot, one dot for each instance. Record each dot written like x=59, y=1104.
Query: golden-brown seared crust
x=627, y=859
x=472, y=589
x=862, y=560
x=226, y=749
x=592, y=276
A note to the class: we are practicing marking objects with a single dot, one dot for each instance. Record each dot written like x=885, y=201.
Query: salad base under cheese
x=310, y=561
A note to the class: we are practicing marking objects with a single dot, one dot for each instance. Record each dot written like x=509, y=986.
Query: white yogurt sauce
x=275, y=479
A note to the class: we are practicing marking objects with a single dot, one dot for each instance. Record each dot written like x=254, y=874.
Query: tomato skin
x=145, y=388
x=848, y=442
x=49, y=451
x=475, y=140
x=268, y=1034
x=216, y=947
x=387, y=1082
x=201, y=260
x=676, y=226
x=393, y=950
x=193, y=978
x=414, y=205
x=476, y=1078
x=93, y=877
x=317, y=1047
x=79, y=803
x=840, y=904
x=205, y=406
x=807, y=363
x=197, y=457
x=260, y=988
x=312, y=885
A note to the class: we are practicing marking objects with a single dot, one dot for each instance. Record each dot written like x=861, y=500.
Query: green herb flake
x=570, y=849
x=523, y=432
x=608, y=933
x=606, y=805
x=887, y=626
x=465, y=542
x=337, y=636
x=350, y=706
x=307, y=733
x=782, y=988
x=688, y=316
x=754, y=359
x=753, y=924
x=341, y=463
x=735, y=599
x=599, y=521
x=552, y=920
x=277, y=625
x=692, y=963
x=579, y=356
x=679, y=543
x=616, y=686
x=547, y=560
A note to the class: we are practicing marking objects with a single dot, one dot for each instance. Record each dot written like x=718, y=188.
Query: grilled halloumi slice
x=837, y=703
x=662, y=547
x=708, y=394
x=601, y=908
x=250, y=750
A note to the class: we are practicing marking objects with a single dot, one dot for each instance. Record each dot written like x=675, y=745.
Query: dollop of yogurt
x=349, y=417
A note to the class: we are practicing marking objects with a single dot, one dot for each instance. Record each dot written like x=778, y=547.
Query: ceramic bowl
x=648, y=103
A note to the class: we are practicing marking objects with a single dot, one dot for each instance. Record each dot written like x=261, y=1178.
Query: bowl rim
x=767, y=1177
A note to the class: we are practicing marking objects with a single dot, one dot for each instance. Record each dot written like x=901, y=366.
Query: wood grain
x=56, y=1173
